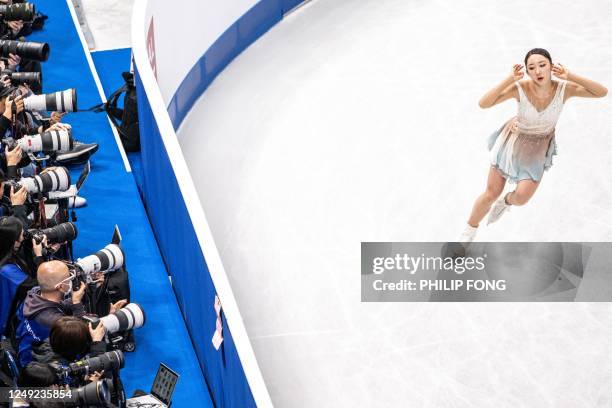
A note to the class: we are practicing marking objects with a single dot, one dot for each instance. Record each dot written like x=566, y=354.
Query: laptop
x=161, y=391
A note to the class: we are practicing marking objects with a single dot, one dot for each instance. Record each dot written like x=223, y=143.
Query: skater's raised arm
x=577, y=85
x=504, y=91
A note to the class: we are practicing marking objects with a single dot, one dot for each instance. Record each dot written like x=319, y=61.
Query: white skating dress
x=524, y=146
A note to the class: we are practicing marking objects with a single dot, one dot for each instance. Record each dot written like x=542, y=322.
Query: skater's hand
x=560, y=71
x=517, y=72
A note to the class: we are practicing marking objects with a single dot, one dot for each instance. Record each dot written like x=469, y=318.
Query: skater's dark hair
x=539, y=51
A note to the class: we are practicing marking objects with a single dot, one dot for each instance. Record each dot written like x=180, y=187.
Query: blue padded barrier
x=184, y=259
x=169, y=216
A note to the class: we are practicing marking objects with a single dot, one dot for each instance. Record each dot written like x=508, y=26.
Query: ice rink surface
x=358, y=120
x=109, y=22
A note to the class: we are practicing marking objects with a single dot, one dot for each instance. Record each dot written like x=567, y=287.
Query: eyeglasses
x=68, y=279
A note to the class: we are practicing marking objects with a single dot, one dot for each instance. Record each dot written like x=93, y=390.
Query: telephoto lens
x=25, y=49
x=129, y=317
x=109, y=361
x=56, y=179
x=18, y=78
x=58, y=234
x=49, y=141
x=109, y=258
x=16, y=12
x=94, y=394
x=62, y=101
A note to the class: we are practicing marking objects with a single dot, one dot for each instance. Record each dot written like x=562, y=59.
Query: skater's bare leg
x=495, y=186
x=523, y=192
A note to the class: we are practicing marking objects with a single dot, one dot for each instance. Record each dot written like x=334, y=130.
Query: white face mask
x=69, y=291
x=67, y=281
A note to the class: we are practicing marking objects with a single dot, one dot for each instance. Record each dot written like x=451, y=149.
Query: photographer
x=28, y=256
x=17, y=270
x=6, y=106
x=14, y=204
x=46, y=303
x=72, y=339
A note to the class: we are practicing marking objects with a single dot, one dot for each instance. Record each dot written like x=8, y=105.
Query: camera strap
x=115, y=114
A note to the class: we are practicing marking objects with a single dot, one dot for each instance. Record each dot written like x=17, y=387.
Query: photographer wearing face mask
x=52, y=299
x=16, y=278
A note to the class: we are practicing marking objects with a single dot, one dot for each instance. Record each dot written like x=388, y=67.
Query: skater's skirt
x=521, y=156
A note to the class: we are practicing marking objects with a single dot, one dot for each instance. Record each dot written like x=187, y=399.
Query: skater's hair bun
x=539, y=51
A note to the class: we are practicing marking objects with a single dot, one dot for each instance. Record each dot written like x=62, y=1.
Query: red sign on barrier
x=151, y=47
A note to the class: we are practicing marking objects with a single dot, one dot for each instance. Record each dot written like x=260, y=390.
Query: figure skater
x=523, y=147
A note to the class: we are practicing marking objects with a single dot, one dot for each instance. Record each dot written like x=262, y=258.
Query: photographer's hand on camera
x=56, y=117
x=18, y=208
x=38, y=247
x=53, y=248
x=13, y=157
x=96, y=376
x=15, y=27
x=18, y=197
x=118, y=305
x=97, y=278
x=47, y=169
x=55, y=126
x=8, y=106
x=77, y=294
x=13, y=61
x=98, y=333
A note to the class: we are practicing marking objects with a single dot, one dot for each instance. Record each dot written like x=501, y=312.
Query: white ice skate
x=499, y=208
x=468, y=234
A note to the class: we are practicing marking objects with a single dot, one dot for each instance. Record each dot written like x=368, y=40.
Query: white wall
x=195, y=25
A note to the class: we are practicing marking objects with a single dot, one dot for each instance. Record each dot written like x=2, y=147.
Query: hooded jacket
x=36, y=316
x=45, y=311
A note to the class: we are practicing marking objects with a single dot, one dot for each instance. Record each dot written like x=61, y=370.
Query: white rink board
x=198, y=23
